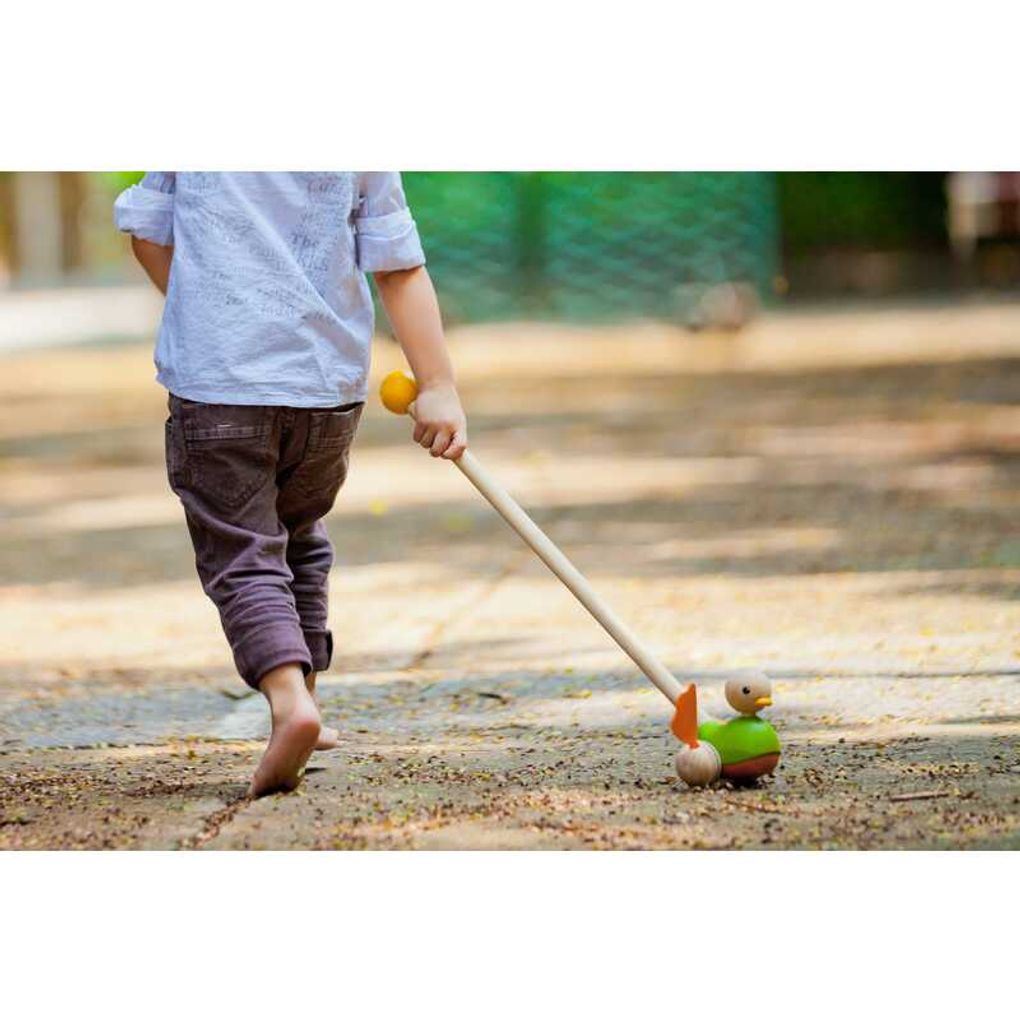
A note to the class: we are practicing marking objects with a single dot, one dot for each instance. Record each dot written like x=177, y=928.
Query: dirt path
x=832, y=497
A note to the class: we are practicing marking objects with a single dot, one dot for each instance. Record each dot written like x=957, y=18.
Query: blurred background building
x=701, y=249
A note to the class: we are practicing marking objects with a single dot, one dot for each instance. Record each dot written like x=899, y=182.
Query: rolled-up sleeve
x=146, y=210
x=387, y=238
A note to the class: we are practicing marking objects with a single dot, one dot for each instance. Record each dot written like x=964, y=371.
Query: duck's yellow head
x=750, y=693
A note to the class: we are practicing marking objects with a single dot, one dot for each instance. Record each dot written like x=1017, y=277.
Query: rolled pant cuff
x=255, y=658
x=320, y=648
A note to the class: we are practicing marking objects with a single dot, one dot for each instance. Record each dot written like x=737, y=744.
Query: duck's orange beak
x=763, y=702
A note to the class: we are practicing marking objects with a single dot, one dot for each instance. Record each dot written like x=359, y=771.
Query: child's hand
x=440, y=424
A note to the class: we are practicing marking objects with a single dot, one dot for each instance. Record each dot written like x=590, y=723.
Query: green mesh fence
x=592, y=245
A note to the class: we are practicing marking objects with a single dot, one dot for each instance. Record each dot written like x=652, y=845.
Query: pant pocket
x=225, y=450
x=323, y=468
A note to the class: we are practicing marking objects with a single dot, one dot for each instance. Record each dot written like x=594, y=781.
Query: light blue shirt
x=268, y=302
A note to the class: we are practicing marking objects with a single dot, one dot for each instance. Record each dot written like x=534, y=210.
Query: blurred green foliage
x=116, y=181
x=866, y=211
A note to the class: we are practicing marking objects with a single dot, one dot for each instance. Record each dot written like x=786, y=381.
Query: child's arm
x=146, y=212
x=410, y=302
x=155, y=259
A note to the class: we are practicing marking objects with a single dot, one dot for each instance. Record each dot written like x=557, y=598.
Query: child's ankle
x=283, y=684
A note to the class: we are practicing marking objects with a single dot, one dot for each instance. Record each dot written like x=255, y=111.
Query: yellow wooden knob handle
x=398, y=392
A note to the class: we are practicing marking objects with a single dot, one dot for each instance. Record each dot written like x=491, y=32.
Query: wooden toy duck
x=748, y=746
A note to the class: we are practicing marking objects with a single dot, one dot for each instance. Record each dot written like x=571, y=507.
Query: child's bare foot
x=296, y=728
x=328, y=739
x=328, y=736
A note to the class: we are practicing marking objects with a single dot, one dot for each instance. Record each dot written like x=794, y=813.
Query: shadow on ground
x=880, y=469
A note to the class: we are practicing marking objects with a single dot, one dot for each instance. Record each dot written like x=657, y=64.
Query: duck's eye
x=745, y=690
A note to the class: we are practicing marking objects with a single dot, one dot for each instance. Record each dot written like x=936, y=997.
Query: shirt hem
x=254, y=397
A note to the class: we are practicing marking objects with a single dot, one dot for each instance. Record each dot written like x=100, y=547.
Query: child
x=264, y=348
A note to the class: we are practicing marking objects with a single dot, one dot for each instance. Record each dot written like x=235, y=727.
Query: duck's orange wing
x=685, y=717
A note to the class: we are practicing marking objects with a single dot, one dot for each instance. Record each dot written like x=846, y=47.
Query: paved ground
x=833, y=497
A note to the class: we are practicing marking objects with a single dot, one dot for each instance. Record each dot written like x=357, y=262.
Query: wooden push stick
x=399, y=397
x=551, y=555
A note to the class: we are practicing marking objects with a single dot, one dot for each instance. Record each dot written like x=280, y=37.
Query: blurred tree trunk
x=531, y=241
x=6, y=227
x=38, y=229
x=73, y=189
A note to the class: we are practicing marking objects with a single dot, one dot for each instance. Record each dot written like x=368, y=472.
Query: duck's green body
x=748, y=746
